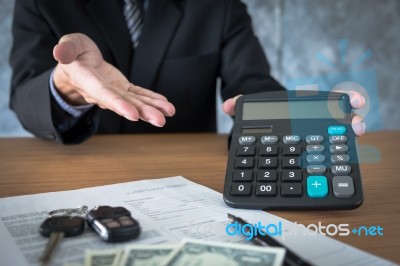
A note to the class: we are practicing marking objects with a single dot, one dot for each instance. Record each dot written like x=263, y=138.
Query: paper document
x=168, y=210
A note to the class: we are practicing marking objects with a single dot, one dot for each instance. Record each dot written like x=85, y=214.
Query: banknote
x=146, y=255
x=204, y=253
x=108, y=257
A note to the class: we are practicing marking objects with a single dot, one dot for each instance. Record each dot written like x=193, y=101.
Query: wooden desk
x=29, y=165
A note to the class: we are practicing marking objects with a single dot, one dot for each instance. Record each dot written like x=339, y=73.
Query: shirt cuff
x=75, y=111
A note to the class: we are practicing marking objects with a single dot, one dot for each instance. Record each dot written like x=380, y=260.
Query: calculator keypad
x=291, y=166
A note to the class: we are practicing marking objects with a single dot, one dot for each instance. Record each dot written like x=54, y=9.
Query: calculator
x=293, y=150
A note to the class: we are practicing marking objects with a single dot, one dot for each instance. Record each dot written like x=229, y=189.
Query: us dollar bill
x=108, y=257
x=146, y=255
x=203, y=253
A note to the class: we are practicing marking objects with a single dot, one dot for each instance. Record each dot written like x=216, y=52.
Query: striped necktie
x=134, y=19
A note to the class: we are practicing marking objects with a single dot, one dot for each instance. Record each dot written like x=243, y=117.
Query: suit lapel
x=108, y=16
x=161, y=21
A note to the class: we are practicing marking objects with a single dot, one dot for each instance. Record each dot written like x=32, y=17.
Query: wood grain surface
x=30, y=165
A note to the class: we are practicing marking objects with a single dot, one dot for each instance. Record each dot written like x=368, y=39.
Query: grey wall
x=9, y=126
x=312, y=44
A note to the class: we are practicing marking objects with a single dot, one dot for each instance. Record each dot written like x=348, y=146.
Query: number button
x=241, y=190
x=269, y=150
x=246, y=151
x=244, y=163
x=267, y=176
x=291, y=150
x=292, y=176
x=291, y=163
x=243, y=176
x=268, y=163
x=266, y=190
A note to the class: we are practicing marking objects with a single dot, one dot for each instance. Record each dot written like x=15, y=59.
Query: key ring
x=78, y=211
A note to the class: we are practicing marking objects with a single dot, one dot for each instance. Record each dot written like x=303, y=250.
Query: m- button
x=269, y=139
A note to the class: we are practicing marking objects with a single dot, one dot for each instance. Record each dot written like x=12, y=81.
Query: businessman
x=100, y=66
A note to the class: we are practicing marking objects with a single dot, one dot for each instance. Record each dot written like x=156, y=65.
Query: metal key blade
x=56, y=228
x=54, y=239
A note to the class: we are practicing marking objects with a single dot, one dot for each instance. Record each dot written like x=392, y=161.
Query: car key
x=56, y=228
x=113, y=224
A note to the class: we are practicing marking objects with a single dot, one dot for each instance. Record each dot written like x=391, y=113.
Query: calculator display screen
x=293, y=110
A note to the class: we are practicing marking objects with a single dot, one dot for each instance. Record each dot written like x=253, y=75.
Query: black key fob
x=70, y=226
x=113, y=224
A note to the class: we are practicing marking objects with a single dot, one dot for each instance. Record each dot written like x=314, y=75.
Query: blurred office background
x=310, y=44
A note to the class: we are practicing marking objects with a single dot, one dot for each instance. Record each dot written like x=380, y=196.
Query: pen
x=291, y=258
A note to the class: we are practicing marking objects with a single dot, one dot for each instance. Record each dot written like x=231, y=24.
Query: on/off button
x=336, y=130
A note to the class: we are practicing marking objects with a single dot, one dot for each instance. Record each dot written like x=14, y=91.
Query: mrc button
x=291, y=139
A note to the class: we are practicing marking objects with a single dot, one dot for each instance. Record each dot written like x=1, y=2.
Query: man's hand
x=356, y=99
x=82, y=76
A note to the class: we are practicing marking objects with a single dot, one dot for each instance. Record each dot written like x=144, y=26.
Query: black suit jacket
x=184, y=47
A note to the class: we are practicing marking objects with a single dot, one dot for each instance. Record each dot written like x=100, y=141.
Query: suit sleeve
x=244, y=67
x=32, y=62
